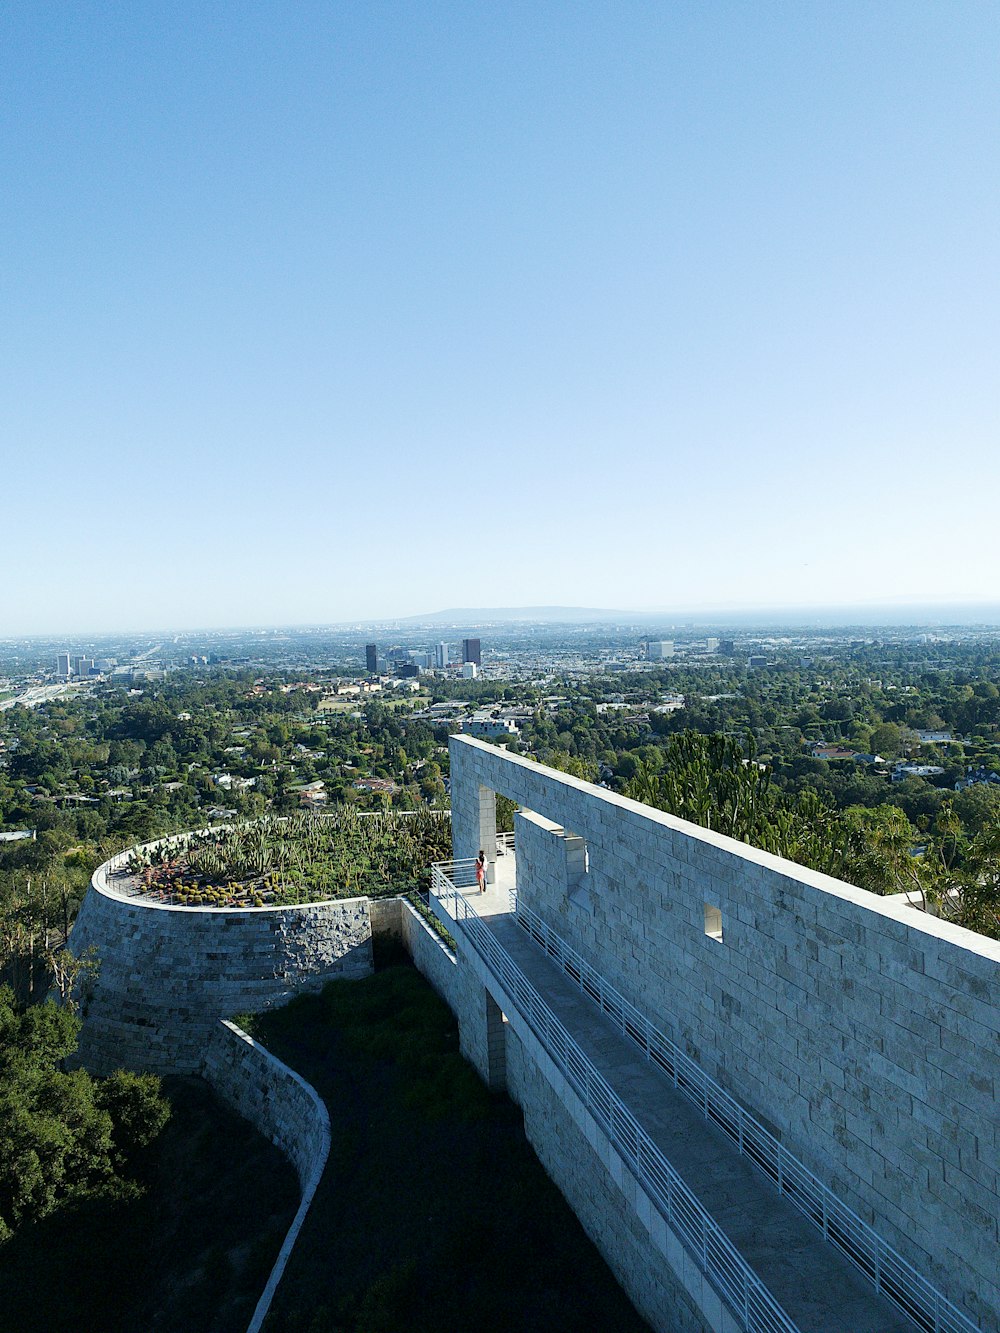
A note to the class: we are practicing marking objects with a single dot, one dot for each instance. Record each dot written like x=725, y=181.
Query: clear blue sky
x=316, y=311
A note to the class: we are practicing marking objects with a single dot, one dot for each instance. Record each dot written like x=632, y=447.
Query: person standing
x=481, y=870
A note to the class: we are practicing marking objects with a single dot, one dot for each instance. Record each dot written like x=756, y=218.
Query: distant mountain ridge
x=929, y=615
x=576, y=615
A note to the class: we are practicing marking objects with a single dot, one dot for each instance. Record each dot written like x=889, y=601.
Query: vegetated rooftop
x=279, y=862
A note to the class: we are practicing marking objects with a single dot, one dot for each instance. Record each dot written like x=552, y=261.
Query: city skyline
x=321, y=315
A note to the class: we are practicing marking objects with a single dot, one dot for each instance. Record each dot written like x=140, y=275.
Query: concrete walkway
x=817, y=1287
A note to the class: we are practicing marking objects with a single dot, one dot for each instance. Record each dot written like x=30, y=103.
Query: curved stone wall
x=284, y=1107
x=168, y=974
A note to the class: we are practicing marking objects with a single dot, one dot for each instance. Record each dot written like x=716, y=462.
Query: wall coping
x=450, y=954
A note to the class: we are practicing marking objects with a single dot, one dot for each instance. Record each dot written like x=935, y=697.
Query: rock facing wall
x=285, y=1108
x=167, y=974
x=276, y=1100
x=605, y=1210
x=863, y=1031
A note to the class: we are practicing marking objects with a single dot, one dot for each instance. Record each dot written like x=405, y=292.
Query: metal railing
x=505, y=844
x=890, y=1273
x=713, y=1252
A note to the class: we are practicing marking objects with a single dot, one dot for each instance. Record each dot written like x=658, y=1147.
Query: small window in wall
x=713, y=922
x=577, y=870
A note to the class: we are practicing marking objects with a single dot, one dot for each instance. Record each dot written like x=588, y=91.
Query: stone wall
x=282, y=1106
x=577, y=1156
x=167, y=974
x=863, y=1032
x=276, y=1100
x=449, y=972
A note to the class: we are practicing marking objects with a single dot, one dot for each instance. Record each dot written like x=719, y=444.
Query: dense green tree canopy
x=63, y=1135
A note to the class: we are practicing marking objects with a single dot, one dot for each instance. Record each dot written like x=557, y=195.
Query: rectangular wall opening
x=713, y=922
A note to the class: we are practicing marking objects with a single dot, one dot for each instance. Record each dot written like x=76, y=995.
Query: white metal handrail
x=714, y=1253
x=891, y=1274
x=505, y=844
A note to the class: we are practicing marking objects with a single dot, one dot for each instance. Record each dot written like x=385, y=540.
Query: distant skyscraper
x=471, y=651
x=441, y=655
x=711, y=645
x=657, y=650
x=371, y=658
x=726, y=647
x=62, y=665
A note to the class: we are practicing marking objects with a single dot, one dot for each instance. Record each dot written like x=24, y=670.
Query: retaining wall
x=605, y=1197
x=167, y=974
x=864, y=1032
x=276, y=1100
x=282, y=1106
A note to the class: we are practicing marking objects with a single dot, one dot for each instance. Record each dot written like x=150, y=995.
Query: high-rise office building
x=62, y=665
x=658, y=649
x=371, y=658
x=441, y=655
x=471, y=651
x=470, y=671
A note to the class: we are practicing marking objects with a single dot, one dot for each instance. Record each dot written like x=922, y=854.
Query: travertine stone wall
x=276, y=1100
x=457, y=985
x=285, y=1108
x=167, y=974
x=450, y=975
x=864, y=1032
x=583, y=1164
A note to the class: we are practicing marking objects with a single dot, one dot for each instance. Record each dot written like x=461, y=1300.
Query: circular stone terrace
x=168, y=971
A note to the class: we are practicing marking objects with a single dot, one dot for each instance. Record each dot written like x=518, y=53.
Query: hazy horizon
x=923, y=615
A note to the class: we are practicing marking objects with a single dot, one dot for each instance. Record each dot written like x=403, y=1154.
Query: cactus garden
x=279, y=862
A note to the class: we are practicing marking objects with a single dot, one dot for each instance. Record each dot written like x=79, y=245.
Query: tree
x=978, y=807
x=885, y=740
x=70, y=974
x=63, y=1136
